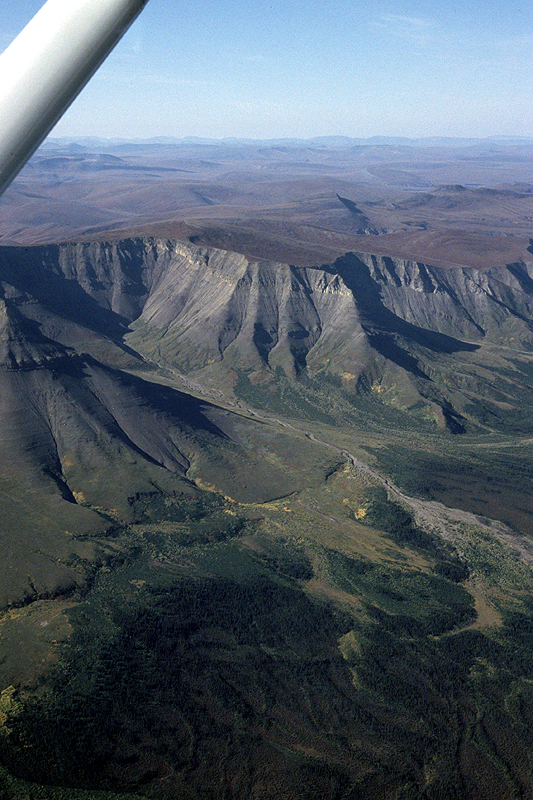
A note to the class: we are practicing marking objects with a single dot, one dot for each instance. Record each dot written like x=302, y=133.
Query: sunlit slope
x=449, y=345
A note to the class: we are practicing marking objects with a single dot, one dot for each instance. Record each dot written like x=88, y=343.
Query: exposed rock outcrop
x=408, y=330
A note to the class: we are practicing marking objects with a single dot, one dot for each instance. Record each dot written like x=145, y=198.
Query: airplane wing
x=47, y=65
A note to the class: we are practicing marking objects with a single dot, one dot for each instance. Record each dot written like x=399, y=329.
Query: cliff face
x=164, y=284
x=463, y=302
x=408, y=331
x=212, y=305
x=404, y=330
x=220, y=299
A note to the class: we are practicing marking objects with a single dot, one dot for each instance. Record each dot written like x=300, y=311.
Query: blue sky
x=301, y=69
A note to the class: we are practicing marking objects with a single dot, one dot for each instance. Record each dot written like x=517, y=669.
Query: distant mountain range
x=316, y=141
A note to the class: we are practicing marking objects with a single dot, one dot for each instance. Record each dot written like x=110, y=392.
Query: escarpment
x=406, y=331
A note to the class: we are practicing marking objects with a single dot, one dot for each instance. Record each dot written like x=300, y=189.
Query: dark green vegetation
x=489, y=476
x=242, y=683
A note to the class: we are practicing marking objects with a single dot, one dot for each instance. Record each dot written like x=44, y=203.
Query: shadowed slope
x=81, y=441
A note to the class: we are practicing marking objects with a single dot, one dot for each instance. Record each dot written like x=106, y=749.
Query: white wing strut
x=46, y=67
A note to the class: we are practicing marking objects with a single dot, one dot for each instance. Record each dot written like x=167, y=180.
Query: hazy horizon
x=333, y=140
x=394, y=69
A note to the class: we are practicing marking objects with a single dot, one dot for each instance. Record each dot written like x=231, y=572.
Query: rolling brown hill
x=282, y=200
